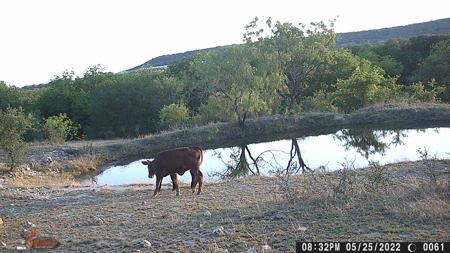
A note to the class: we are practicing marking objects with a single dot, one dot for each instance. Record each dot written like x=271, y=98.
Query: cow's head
x=151, y=170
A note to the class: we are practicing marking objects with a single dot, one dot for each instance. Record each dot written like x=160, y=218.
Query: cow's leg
x=174, y=178
x=195, y=178
x=158, y=185
x=192, y=180
x=200, y=182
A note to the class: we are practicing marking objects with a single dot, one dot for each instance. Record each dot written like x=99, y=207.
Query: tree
x=60, y=128
x=299, y=53
x=14, y=97
x=189, y=72
x=13, y=125
x=359, y=89
x=173, y=114
x=435, y=67
x=235, y=80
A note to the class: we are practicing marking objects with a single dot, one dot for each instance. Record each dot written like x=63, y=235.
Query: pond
x=346, y=147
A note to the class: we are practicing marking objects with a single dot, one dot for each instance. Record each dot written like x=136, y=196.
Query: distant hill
x=439, y=26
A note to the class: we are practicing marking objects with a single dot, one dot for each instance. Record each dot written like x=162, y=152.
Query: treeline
x=281, y=68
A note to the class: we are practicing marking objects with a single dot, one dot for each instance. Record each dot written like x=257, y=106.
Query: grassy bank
x=408, y=201
x=78, y=157
x=397, y=202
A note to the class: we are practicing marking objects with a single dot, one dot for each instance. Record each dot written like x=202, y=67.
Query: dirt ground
x=395, y=203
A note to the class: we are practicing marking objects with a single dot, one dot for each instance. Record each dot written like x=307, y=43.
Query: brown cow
x=177, y=161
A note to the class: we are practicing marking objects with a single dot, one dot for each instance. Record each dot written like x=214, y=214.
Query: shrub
x=13, y=126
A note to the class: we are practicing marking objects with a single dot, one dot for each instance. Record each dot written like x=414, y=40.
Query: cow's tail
x=201, y=154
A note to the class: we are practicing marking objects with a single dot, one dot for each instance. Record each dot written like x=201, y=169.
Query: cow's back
x=178, y=160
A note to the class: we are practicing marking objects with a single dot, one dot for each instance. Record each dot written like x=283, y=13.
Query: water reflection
x=370, y=142
x=302, y=154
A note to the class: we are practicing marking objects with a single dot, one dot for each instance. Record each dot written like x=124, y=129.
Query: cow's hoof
x=198, y=193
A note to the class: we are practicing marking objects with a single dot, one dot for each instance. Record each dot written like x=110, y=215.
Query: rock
x=207, y=214
x=31, y=225
x=218, y=231
x=279, y=216
x=3, y=244
x=1, y=221
x=252, y=250
x=303, y=229
x=98, y=221
x=146, y=244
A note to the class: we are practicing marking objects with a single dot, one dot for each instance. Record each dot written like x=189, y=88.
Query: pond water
x=345, y=147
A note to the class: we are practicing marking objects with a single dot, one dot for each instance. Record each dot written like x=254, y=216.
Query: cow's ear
x=145, y=162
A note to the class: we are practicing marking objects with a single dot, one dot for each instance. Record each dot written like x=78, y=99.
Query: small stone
x=303, y=229
x=1, y=221
x=21, y=248
x=98, y=221
x=218, y=231
x=31, y=225
x=3, y=244
x=207, y=214
x=146, y=244
x=252, y=250
x=279, y=216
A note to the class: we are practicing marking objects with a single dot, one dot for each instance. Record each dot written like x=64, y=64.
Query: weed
x=378, y=178
x=440, y=187
x=89, y=148
x=348, y=180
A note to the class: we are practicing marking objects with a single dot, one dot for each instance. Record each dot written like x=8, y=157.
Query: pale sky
x=40, y=39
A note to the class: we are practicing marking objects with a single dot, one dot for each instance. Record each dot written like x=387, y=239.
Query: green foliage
x=13, y=126
x=60, y=128
x=318, y=102
x=418, y=93
x=299, y=53
x=234, y=78
x=436, y=67
x=358, y=90
x=284, y=68
x=129, y=104
x=173, y=114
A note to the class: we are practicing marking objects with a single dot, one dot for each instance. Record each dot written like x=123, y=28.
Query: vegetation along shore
x=407, y=201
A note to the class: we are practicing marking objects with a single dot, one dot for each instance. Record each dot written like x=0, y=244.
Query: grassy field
x=397, y=202
x=407, y=201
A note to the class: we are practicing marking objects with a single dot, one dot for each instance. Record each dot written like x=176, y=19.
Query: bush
x=173, y=115
x=13, y=126
x=59, y=128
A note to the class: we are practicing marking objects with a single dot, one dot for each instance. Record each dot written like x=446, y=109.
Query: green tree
x=70, y=95
x=59, y=128
x=359, y=89
x=129, y=105
x=14, y=97
x=13, y=126
x=234, y=79
x=417, y=92
x=173, y=114
x=435, y=67
x=299, y=53
x=190, y=72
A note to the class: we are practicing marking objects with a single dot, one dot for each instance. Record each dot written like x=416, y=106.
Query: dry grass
x=253, y=212
x=398, y=202
x=46, y=181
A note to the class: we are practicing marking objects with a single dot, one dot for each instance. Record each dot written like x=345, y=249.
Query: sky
x=39, y=40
